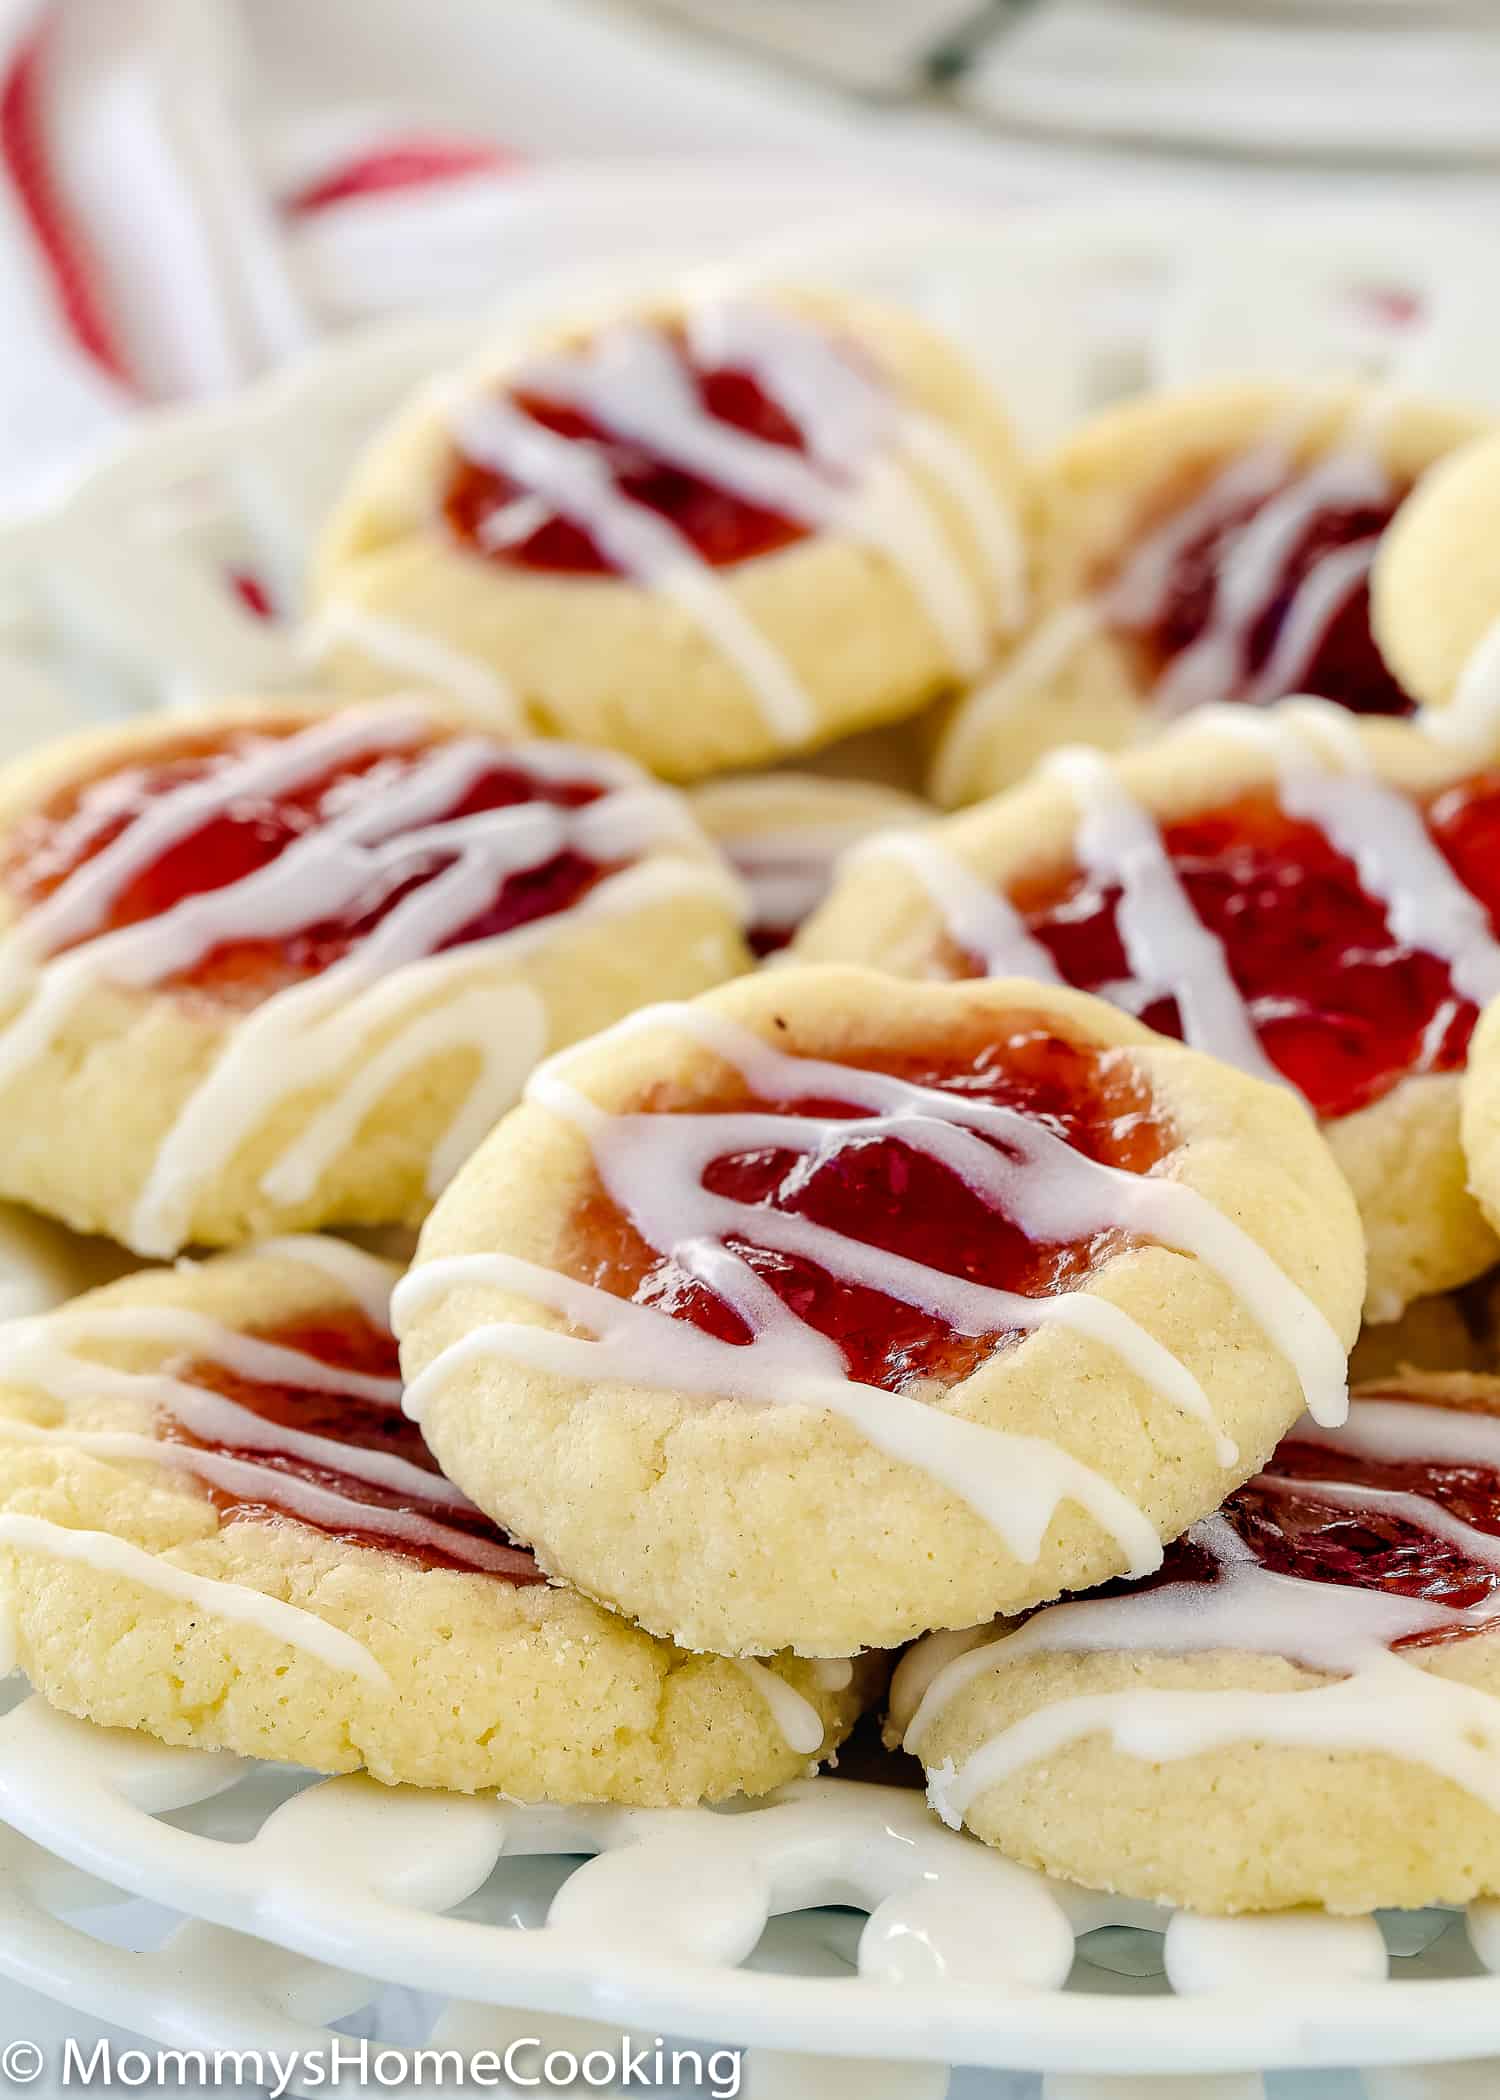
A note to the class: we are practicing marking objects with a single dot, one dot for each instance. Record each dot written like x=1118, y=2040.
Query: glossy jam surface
x=1346, y=665
x=349, y=1342
x=252, y=831
x=1292, y=1530
x=1342, y=1008
x=880, y=1191
x=722, y=528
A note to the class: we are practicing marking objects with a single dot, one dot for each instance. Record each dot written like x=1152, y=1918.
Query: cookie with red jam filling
x=276, y=965
x=217, y=1526
x=1308, y=898
x=803, y=1314
x=1196, y=548
x=1300, y=1707
x=707, y=536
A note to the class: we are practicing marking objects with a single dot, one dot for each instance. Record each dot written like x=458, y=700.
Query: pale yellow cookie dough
x=1435, y=589
x=1119, y=476
x=531, y=1690
x=82, y=1120
x=746, y=1527
x=1402, y=1154
x=1251, y=1826
x=600, y=659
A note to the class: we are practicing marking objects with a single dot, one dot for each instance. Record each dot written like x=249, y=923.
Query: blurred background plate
x=1368, y=78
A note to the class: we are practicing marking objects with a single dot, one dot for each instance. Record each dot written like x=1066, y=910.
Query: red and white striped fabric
x=151, y=215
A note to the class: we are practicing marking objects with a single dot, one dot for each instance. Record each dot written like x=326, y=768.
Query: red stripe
x=23, y=153
x=252, y=593
x=401, y=165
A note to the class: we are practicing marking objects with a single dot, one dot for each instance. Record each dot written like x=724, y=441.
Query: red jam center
x=1342, y=1008
x=1346, y=666
x=722, y=528
x=881, y=1191
x=251, y=831
x=349, y=1342
x=1292, y=1530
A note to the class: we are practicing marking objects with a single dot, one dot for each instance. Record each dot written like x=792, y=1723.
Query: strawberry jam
x=347, y=1341
x=883, y=1192
x=249, y=831
x=1293, y=1530
x=721, y=528
x=1343, y=665
x=1341, y=1006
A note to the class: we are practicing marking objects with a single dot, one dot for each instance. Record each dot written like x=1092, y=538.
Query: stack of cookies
x=839, y=1228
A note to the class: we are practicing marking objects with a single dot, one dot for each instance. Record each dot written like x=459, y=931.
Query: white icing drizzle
x=1392, y=1502
x=40, y=1356
x=1213, y=666
x=235, y=1601
x=1169, y=949
x=274, y=766
x=846, y=416
x=1409, y=1429
x=799, y=1721
x=977, y=917
x=29, y=1347
x=1015, y=1482
x=921, y=1666
x=576, y=480
x=10, y=1637
x=1382, y=832
x=322, y=1507
x=1324, y=777
x=412, y=653
x=1138, y=594
x=842, y=410
x=1327, y=587
x=996, y=530
x=1379, y=1701
x=653, y=1166
x=364, y=1278
x=390, y=1003
x=631, y=380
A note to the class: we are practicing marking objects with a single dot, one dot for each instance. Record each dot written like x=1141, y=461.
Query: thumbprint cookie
x=783, y=833
x=273, y=965
x=1301, y=1706
x=801, y=1315
x=1201, y=547
x=1435, y=594
x=217, y=1526
x=707, y=536
x=1303, y=896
